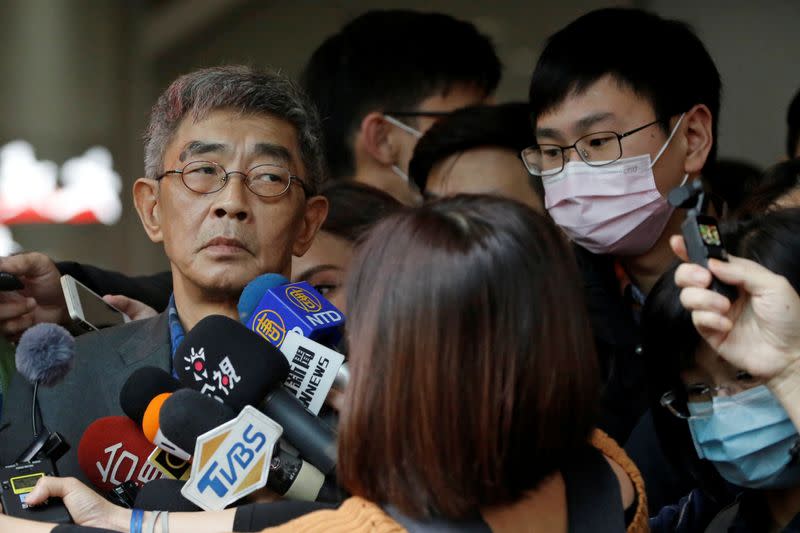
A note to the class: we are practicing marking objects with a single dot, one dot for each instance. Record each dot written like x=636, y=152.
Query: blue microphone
x=296, y=307
x=254, y=291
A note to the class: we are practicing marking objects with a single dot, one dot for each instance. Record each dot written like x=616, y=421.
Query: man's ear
x=145, y=198
x=699, y=138
x=374, y=138
x=316, y=211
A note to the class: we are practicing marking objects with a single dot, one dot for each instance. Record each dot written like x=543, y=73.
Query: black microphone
x=242, y=378
x=44, y=356
x=141, y=397
x=164, y=495
x=141, y=387
x=220, y=347
x=289, y=475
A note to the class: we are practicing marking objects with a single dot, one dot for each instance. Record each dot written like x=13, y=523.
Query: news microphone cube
x=300, y=308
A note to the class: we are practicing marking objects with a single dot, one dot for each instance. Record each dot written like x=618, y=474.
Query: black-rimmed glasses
x=595, y=149
x=206, y=177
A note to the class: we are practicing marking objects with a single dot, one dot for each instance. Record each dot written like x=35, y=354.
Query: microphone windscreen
x=222, y=358
x=254, y=291
x=113, y=451
x=150, y=417
x=45, y=353
x=187, y=414
x=164, y=495
x=141, y=387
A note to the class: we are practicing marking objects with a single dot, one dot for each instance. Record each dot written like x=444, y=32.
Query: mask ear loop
x=669, y=139
x=405, y=127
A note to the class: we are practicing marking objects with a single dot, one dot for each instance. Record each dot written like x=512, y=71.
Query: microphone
x=44, y=356
x=314, y=370
x=45, y=353
x=296, y=307
x=324, y=372
x=244, y=377
x=289, y=475
x=219, y=347
x=164, y=495
x=254, y=291
x=141, y=398
x=141, y=387
x=113, y=451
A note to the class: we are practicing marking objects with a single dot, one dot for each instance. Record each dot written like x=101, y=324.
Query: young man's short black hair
x=793, y=121
x=505, y=126
x=661, y=60
x=391, y=60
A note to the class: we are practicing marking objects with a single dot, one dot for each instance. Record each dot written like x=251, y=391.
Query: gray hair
x=241, y=88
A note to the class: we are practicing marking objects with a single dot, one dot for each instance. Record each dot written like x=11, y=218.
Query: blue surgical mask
x=748, y=437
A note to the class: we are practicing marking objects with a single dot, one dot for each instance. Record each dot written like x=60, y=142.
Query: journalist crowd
x=564, y=314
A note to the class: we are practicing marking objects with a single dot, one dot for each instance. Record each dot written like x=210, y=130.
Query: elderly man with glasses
x=233, y=158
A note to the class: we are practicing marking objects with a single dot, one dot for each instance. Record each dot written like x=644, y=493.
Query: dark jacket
x=103, y=361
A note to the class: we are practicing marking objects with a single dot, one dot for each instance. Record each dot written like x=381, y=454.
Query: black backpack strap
x=594, y=501
x=437, y=525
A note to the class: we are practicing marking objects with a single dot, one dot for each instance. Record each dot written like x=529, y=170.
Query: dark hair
x=243, y=89
x=505, y=126
x=661, y=60
x=391, y=59
x=670, y=339
x=778, y=181
x=354, y=207
x=735, y=180
x=474, y=376
x=793, y=121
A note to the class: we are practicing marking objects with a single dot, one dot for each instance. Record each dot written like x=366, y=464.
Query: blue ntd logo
x=239, y=457
x=232, y=460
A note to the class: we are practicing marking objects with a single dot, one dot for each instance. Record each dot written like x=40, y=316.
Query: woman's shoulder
x=630, y=479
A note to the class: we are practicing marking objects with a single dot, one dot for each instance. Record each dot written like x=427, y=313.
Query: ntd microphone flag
x=296, y=307
x=232, y=460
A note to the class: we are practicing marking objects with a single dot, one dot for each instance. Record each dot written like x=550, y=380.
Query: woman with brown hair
x=474, y=387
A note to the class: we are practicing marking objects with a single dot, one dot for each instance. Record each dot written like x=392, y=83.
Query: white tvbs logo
x=232, y=460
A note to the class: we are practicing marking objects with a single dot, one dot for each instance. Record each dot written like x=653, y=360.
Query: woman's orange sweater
x=541, y=510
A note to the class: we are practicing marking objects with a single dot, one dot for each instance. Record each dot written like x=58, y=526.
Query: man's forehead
x=604, y=102
x=225, y=131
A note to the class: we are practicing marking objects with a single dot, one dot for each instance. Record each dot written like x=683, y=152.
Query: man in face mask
x=624, y=105
x=384, y=79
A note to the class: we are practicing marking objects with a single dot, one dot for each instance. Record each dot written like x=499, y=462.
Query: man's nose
x=232, y=200
x=571, y=154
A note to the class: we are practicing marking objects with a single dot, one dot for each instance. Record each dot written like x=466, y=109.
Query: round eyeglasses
x=700, y=396
x=206, y=177
x=595, y=149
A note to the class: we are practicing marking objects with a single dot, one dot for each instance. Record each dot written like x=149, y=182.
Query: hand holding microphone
x=756, y=333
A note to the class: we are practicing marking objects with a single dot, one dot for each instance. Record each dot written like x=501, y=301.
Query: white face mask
x=411, y=131
x=610, y=209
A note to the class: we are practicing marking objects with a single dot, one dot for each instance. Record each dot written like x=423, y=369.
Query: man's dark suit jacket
x=103, y=361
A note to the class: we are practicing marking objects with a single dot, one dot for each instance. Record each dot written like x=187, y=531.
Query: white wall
x=756, y=45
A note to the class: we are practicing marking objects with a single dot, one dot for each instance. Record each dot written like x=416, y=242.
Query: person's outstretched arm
x=42, y=300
